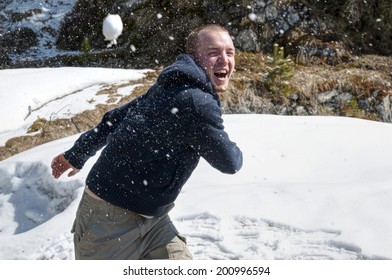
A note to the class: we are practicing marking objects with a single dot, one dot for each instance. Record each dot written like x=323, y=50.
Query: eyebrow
x=219, y=48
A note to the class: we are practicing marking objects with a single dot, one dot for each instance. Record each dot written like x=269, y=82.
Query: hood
x=185, y=71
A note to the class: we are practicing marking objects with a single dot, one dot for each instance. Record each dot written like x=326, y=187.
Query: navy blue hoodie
x=153, y=144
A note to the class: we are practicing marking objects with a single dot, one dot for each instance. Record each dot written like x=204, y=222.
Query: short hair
x=192, y=41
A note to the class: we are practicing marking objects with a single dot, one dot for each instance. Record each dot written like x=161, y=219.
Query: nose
x=223, y=58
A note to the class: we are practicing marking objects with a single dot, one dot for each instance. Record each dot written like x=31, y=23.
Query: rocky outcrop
x=155, y=31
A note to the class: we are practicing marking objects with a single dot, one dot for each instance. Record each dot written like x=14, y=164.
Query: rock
x=327, y=96
x=4, y=58
x=385, y=109
x=247, y=39
x=19, y=40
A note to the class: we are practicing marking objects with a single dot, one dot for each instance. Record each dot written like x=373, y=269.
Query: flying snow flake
x=378, y=20
x=171, y=38
x=96, y=130
x=174, y=111
x=145, y=182
x=109, y=123
x=252, y=16
x=133, y=48
x=159, y=15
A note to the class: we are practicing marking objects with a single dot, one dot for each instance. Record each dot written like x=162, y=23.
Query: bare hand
x=60, y=165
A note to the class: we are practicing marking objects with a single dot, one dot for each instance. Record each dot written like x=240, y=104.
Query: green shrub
x=86, y=45
x=279, y=75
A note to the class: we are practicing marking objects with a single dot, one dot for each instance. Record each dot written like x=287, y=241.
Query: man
x=151, y=147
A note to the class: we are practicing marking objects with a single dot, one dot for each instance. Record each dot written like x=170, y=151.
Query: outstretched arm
x=90, y=142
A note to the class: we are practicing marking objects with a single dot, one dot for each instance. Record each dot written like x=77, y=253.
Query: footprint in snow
x=244, y=238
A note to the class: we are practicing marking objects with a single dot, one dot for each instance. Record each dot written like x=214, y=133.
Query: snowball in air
x=112, y=28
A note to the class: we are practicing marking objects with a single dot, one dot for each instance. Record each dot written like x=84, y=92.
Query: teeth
x=221, y=73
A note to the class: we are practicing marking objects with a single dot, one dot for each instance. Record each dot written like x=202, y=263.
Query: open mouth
x=221, y=74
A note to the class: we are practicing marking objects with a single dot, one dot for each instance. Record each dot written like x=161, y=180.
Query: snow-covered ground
x=78, y=85
x=310, y=188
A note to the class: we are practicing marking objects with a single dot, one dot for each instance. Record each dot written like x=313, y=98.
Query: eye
x=213, y=53
x=230, y=53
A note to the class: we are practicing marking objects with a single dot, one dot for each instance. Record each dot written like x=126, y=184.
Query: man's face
x=215, y=54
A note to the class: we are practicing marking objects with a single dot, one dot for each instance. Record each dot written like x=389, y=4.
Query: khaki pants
x=104, y=231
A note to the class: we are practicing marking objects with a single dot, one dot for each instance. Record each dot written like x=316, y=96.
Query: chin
x=221, y=88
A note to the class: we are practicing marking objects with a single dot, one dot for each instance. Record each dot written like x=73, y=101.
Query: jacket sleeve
x=206, y=135
x=91, y=141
